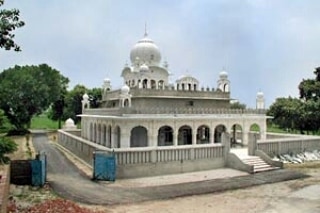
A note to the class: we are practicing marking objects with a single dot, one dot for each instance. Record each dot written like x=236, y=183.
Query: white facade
x=149, y=112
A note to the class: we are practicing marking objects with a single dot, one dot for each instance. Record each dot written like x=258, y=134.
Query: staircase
x=258, y=164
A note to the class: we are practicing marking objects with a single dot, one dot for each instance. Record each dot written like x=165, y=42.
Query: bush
x=7, y=146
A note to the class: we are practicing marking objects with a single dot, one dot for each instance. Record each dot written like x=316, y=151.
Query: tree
x=9, y=21
x=71, y=106
x=286, y=113
x=302, y=114
x=29, y=90
x=310, y=88
x=237, y=105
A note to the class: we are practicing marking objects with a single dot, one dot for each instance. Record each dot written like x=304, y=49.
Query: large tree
x=29, y=90
x=302, y=114
x=9, y=21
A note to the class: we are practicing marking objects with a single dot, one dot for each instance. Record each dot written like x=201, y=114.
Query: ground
x=301, y=195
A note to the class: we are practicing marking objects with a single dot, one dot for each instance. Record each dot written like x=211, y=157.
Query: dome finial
x=145, y=30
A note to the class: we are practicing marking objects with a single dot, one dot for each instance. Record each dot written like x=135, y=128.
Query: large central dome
x=145, y=52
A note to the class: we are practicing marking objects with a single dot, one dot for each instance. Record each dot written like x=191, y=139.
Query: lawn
x=43, y=122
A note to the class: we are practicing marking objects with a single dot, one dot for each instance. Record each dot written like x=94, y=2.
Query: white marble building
x=149, y=111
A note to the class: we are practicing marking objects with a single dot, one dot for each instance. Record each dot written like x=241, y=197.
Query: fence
x=289, y=145
x=84, y=149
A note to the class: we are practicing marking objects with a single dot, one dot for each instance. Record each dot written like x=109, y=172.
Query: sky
x=264, y=45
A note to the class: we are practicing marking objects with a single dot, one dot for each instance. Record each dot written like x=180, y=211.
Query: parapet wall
x=148, y=161
x=169, y=92
x=289, y=145
x=169, y=110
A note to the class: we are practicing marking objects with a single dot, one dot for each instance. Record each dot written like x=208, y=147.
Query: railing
x=169, y=110
x=169, y=92
x=289, y=145
x=124, y=156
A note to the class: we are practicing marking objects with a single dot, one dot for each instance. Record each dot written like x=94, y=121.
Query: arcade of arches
x=139, y=136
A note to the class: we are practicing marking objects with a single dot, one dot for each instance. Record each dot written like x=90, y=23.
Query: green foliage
x=302, y=114
x=71, y=105
x=237, y=105
x=7, y=146
x=4, y=123
x=29, y=90
x=43, y=122
x=9, y=21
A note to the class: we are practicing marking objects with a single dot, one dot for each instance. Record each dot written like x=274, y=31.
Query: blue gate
x=104, y=166
x=39, y=170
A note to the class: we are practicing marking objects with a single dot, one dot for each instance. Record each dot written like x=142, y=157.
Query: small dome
x=125, y=89
x=107, y=80
x=69, y=122
x=144, y=68
x=223, y=74
x=85, y=96
x=146, y=51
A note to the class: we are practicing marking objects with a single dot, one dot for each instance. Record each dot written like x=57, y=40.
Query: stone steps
x=258, y=164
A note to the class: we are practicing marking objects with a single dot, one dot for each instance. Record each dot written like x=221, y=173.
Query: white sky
x=266, y=45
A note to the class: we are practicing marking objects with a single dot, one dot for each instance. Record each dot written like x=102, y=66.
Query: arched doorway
x=255, y=129
x=203, y=134
x=236, y=135
x=139, y=137
x=165, y=136
x=185, y=135
x=218, y=133
x=117, y=137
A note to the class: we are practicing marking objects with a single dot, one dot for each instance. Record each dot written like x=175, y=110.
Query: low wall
x=294, y=145
x=147, y=161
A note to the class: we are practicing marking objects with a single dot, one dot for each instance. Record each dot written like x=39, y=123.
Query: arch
x=203, y=134
x=117, y=137
x=145, y=83
x=236, y=135
x=133, y=83
x=226, y=87
x=161, y=84
x=182, y=85
x=139, y=137
x=255, y=129
x=218, y=133
x=153, y=84
x=185, y=135
x=195, y=87
x=165, y=136
x=126, y=103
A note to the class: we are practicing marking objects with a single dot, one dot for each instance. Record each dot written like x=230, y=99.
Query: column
x=194, y=136
x=175, y=137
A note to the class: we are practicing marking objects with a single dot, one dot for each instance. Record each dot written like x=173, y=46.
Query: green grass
x=43, y=122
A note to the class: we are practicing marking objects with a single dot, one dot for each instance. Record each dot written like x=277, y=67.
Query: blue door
x=104, y=166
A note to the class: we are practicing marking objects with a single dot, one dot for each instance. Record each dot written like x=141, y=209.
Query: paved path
x=68, y=182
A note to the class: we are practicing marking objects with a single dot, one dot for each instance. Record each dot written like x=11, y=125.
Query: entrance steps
x=258, y=164
x=254, y=163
